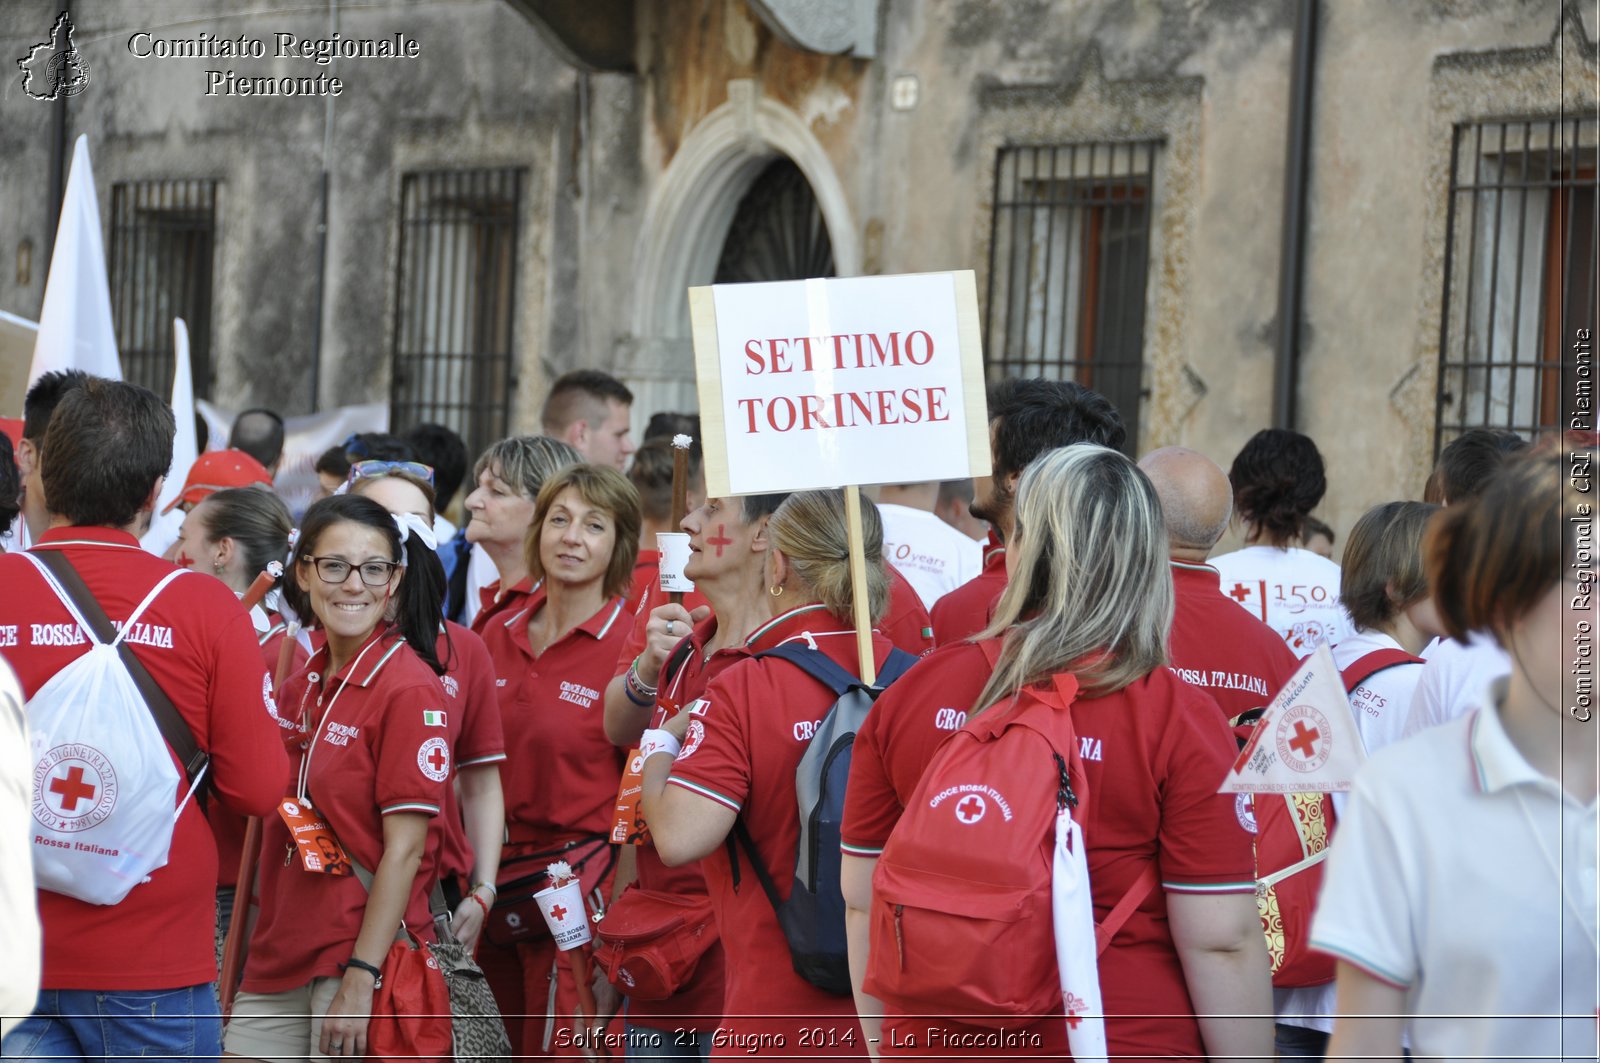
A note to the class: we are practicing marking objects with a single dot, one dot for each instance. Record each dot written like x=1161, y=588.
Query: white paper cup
x=565, y=915
x=674, y=547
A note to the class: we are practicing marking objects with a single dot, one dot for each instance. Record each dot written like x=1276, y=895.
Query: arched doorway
x=750, y=155
x=777, y=232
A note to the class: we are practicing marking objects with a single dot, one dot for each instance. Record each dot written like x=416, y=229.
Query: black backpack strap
x=739, y=837
x=675, y=662
x=172, y=725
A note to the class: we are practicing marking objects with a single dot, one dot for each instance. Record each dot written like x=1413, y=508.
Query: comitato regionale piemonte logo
x=53, y=68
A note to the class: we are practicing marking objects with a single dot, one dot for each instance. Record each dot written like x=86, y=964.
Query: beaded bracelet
x=644, y=688
x=627, y=688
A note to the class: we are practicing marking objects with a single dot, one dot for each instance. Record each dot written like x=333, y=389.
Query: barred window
x=456, y=302
x=1520, y=273
x=163, y=234
x=1068, y=259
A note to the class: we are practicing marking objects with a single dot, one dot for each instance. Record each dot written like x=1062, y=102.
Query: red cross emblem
x=1239, y=593
x=971, y=809
x=1305, y=738
x=72, y=789
x=1073, y=1018
x=438, y=759
x=720, y=539
x=559, y=912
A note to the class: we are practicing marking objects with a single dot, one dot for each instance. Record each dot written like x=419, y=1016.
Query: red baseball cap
x=216, y=470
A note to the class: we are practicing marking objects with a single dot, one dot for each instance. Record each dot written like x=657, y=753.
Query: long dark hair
x=419, y=607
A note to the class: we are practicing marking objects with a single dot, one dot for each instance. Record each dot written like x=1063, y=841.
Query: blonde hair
x=809, y=528
x=1090, y=589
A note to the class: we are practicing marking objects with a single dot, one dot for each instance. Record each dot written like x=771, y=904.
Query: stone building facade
x=538, y=187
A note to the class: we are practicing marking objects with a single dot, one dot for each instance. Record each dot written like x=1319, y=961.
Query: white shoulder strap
x=66, y=599
x=138, y=611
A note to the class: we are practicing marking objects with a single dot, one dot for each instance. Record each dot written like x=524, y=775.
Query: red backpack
x=961, y=897
x=1292, y=836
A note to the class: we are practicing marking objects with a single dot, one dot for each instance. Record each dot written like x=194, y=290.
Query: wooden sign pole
x=860, y=604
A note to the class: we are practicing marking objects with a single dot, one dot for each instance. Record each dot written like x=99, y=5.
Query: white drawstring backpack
x=103, y=781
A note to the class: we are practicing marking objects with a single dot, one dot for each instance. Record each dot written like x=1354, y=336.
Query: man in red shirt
x=135, y=978
x=1026, y=418
x=1224, y=650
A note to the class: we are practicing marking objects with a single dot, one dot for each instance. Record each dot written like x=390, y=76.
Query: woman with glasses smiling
x=370, y=760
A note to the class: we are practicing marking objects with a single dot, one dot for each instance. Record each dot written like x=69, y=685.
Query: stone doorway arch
x=686, y=226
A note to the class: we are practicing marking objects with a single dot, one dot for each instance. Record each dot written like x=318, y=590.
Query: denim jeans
x=1299, y=1042
x=649, y=1042
x=150, y=1024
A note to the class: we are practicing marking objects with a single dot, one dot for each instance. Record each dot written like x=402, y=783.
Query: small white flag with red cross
x=1250, y=593
x=1306, y=741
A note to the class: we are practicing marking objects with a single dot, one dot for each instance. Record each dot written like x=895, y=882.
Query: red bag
x=962, y=889
x=411, y=1016
x=650, y=941
x=1292, y=836
x=515, y=914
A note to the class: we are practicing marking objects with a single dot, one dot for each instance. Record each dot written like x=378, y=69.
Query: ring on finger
x=669, y=627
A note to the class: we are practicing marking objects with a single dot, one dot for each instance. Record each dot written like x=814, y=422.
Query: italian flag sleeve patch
x=432, y=718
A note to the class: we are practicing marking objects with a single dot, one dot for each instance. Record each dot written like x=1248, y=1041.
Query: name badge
x=318, y=846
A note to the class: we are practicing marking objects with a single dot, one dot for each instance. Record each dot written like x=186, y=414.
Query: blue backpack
x=812, y=916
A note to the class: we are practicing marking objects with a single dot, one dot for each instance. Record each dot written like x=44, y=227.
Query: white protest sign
x=827, y=383
x=1306, y=741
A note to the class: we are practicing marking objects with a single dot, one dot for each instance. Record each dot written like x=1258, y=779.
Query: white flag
x=1307, y=741
x=164, y=527
x=75, y=324
x=1077, y=958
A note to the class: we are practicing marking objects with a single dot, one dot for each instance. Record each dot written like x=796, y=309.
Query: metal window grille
x=1068, y=259
x=778, y=233
x=456, y=302
x=163, y=234
x=1520, y=273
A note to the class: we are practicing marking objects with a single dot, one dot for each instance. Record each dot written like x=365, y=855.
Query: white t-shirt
x=480, y=573
x=1294, y=591
x=1454, y=679
x=1463, y=876
x=1382, y=703
x=1380, y=706
x=19, y=931
x=932, y=556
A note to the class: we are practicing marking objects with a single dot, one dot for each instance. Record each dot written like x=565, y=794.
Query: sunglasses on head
x=363, y=470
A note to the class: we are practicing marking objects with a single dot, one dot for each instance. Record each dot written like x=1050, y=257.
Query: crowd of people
x=421, y=715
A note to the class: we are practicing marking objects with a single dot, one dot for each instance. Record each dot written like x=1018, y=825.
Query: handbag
x=651, y=941
x=515, y=915
x=407, y=1004
x=480, y=1033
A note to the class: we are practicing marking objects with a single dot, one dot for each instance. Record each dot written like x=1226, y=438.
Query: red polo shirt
x=199, y=646
x=907, y=724
x=562, y=775
x=741, y=751
x=228, y=826
x=906, y=624
x=698, y=1005
x=492, y=603
x=472, y=716
x=1241, y=662
x=968, y=609
x=375, y=748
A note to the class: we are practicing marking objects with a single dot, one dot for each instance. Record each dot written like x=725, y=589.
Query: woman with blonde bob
x=1089, y=593
x=1460, y=897
x=552, y=658
x=730, y=758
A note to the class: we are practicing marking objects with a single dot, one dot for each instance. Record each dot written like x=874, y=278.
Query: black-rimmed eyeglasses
x=336, y=570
